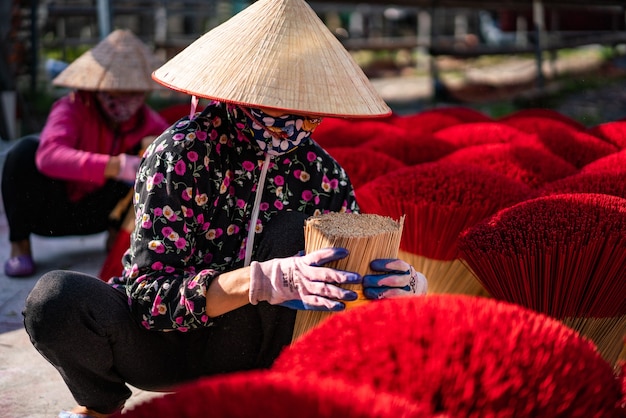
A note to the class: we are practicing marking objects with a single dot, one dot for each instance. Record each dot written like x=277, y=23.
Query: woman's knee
x=23, y=152
x=53, y=303
x=45, y=298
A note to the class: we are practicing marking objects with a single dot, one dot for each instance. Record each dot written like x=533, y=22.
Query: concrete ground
x=29, y=386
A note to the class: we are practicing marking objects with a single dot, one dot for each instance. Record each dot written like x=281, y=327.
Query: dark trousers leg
x=37, y=204
x=83, y=327
x=282, y=237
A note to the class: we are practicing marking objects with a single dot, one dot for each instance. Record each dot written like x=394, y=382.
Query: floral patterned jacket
x=194, y=196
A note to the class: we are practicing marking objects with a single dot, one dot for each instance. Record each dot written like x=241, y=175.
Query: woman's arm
x=228, y=291
x=69, y=141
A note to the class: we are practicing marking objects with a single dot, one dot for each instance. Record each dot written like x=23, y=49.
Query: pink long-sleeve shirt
x=76, y=141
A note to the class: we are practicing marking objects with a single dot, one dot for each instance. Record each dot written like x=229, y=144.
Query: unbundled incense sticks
x=440, y=200
x=366, y=236
x=563, y=255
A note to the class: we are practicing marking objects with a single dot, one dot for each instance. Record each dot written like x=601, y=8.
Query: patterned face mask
x=120, y=107
x=279, y=135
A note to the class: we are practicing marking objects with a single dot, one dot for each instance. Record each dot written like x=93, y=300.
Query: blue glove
x=300, y=282
x=397, y=278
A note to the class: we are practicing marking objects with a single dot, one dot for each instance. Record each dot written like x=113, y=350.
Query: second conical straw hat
x=120, y=62
x=276, y=54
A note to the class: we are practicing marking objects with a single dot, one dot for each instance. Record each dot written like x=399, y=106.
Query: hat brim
x=276, y=54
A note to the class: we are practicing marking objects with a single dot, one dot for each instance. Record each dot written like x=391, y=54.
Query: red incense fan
x=562, y=255
x=476, y=133
x=546, y=114
x=276, y=395
x=464, y=356
x=439, y=200
x=412, y=149
x=338, y=132
x=612, y=132
x=614, y=163
x=575, y=146
x=529, y=163
x=432, y=120
x=363, y=164
x=605, y=175
x=611, y=183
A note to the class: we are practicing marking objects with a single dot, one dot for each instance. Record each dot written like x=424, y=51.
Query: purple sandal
x=20, y=266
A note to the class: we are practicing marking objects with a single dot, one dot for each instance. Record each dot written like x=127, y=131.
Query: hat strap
x=255, y=211
x=194, y=106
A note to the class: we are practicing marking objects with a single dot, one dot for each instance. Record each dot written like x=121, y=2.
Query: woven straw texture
x=276, y=54
x=120, y=62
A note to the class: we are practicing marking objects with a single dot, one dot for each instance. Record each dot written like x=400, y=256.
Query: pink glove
x=300, y=283
x=397, y=279
x=129, y=164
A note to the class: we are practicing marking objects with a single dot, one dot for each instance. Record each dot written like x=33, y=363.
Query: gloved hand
x=300, y=282
x=129, y=164
x=397, y=279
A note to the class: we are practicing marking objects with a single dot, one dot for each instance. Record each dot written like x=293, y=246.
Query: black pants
x=83, y=327
x=37, y=204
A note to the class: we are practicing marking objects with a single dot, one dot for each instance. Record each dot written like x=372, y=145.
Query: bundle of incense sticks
x=364, y=164
x=549, y=114
x=411, y=148
x=612, y=132
x=476, y=133
x=575, y=146
x=440, y=200
x=366, y=236
x=611, y=183
x=433, y=120
x=527, y=161
x=350, y=132
x=562, y=255
x=439, y=349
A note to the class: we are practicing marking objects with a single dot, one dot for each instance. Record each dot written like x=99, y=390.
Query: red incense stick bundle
x=611, y=164
x=612, y=132
x=339, y=132
x=562, y=255
x=546, y=114
x=476, y=133
x=432, y=120
x=575, y=146
x=364, y=164
x=440, y=200
x=608, y=182
x=277, y=395
x=464, y=356
x=529, y=163
x=412, y=148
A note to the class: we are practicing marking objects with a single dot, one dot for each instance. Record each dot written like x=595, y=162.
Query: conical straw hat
x=276, y=54
x=120, y=62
